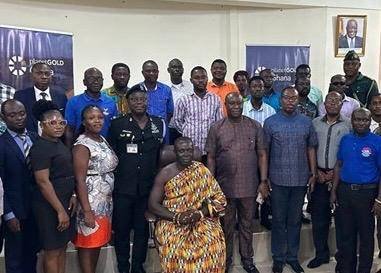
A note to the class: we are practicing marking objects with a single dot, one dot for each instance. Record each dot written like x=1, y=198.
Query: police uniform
x=363, y=88
x=138, y=152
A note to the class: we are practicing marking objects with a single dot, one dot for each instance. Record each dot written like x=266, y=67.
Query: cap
x=351, y=56
x=136, y=88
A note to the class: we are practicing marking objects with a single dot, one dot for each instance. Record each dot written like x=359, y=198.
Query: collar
x=207, y=94
x=289, y=116
x=176, y=85
x=251, y=107
x=146, y=88
x=38, y=91
x=14, y=134
x=345, y=98
x=88, y=98
x=215, y=85
x=359, y=76
x=324, y=118
x=112, y=91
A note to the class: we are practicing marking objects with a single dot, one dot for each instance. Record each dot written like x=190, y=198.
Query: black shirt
x=362, y=89
x=136, y=169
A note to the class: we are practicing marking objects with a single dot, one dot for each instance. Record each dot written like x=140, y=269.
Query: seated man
x=188, y=201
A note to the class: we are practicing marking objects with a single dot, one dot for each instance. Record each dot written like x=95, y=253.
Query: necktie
x=26, y=148
x=43, y=95
x=352, y=45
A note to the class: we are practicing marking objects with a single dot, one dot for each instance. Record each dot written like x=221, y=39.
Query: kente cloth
x=198, y=247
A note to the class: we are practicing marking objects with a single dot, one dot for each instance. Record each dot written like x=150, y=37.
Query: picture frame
x=350, y=34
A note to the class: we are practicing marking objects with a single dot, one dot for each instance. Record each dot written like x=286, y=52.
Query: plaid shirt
x=6, y=92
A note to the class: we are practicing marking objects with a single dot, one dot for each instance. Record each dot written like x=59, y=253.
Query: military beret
x=136, y=88
x=351, y=56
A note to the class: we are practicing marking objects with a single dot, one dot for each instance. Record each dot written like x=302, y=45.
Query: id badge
x=132, y=148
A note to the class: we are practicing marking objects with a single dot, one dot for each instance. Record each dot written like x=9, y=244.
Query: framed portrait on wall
x=350, y=34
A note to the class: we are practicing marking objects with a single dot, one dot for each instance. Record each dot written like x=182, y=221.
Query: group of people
x=96, y=165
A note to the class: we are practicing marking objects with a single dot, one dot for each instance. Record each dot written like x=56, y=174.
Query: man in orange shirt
x=218, y=85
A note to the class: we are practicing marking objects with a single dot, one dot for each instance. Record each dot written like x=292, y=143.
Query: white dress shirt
x=38, y=95
x=181, y=90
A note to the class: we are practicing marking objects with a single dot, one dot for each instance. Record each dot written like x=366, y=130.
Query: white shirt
x=373, y=126
x=38, y=96
x=181, y=90
x=259, y=115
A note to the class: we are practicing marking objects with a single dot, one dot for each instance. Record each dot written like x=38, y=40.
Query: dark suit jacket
x=343, y=42
x=17, y=179
x=28, y=98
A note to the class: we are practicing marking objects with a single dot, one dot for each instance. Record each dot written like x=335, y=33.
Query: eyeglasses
x=290, y=98
x=55, y=122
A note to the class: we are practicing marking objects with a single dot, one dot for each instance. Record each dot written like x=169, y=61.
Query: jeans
x=287, y=205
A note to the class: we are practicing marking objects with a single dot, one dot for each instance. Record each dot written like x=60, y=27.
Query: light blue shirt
x=260, y=114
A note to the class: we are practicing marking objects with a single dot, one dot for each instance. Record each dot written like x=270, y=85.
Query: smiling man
x=93, y=80
x=355, y=192
x=350, y=39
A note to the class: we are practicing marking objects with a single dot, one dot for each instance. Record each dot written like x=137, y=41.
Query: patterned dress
x=100, y=184
x=195, y=248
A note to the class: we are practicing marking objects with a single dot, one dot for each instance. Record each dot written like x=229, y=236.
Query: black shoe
x=277, y=267
x=250, y=268
x=296, y=267
x=140, y=269
x=266, y=224
x=316, y=262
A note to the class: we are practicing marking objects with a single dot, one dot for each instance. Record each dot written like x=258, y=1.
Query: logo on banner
x=17, y=65
x=259, y=69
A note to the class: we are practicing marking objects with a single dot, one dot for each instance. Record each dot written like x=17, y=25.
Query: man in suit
x=21, y=244
x=350, y=40
x=41, y=77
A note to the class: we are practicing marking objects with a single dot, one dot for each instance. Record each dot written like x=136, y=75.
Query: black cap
x=351, y=56
x=136, y=88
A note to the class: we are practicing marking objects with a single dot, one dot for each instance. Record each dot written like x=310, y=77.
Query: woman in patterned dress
x=94, y=162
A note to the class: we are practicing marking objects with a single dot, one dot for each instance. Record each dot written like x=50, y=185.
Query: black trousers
x=321, y=219
x=356, y=221
x=265, y=210
x=21, y=247
x=129, y=215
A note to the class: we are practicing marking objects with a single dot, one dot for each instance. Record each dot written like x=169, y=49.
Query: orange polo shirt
x=222, y=91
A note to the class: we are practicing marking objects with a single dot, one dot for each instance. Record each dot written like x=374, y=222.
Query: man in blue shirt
x=93, y=80
x=292, y=166
x=160, y=101
x=355, y=187
x=271, y=97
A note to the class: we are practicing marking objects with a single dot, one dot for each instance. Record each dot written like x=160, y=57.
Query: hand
x=311, y=183
x=14, y=225
x=324, y=177
x=264, y=189
x=188, y=217
x=73, y=205
x=89, y=219
x=63, y=220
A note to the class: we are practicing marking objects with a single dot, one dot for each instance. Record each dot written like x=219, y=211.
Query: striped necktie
x=26, y=148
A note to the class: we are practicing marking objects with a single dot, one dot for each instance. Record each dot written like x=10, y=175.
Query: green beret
x=352, y=56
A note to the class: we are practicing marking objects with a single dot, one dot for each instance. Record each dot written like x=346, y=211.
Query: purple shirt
x=349, y=105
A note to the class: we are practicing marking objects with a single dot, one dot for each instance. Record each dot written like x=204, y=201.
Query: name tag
x=132, y=148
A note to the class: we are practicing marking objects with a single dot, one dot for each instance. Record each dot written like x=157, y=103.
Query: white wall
x=133, y=32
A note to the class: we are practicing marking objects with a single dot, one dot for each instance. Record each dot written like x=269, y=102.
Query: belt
x=356, y=187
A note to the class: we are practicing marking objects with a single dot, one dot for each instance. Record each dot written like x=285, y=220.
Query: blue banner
x=21, y=48
x=282, y=60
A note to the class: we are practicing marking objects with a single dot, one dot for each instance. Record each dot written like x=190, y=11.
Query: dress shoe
x=266, y=224
x=277, y=267
x=250, y=268
x=296, y=267
x=316, y=262
x=138, y=270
